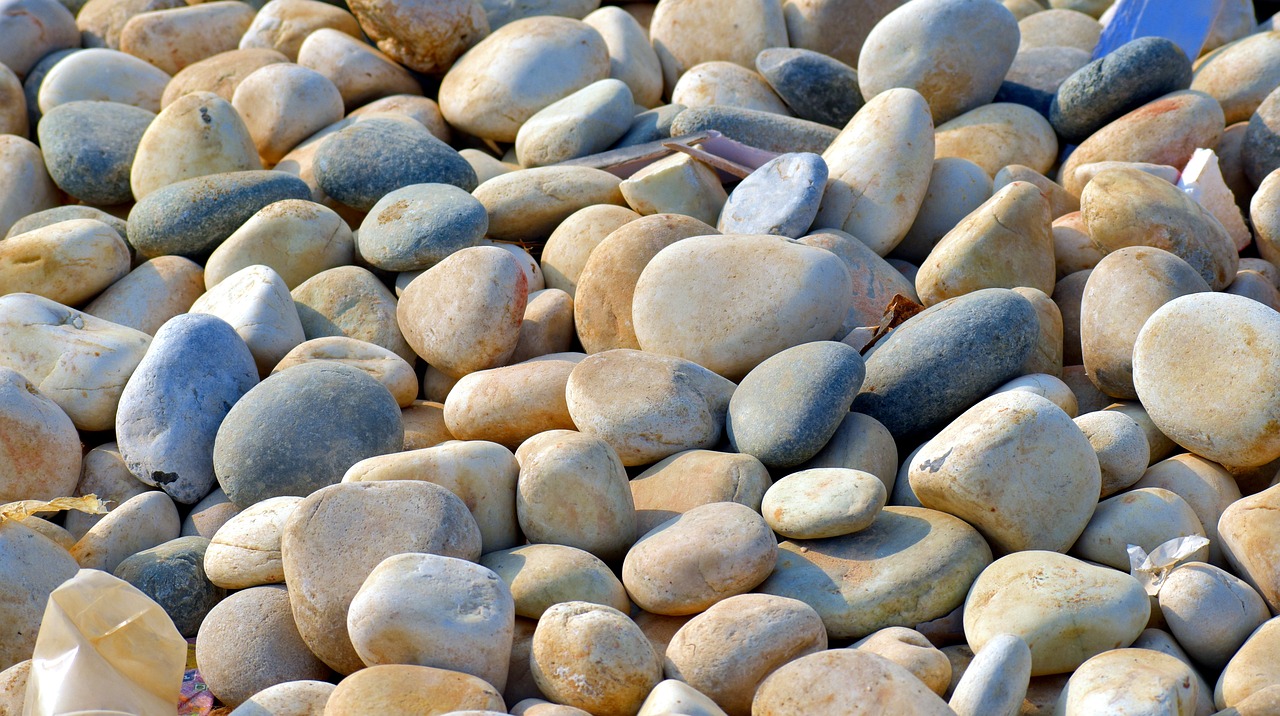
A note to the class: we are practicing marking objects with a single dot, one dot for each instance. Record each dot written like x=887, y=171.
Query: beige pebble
x=678, y=184
x=720, y=83
x=388, y=368
x=1210, y=611
x=256, y=302
x=956, y=187
x=198, y=134
x=103, y=75
x=1206, y=486
x=692, y=478
x=151, y=294
x=410, y=690
x=1146, y=517
x=145, y=521
x=1121, y=446
x=40, y=459
x=547, y=326
x=1047, y=386
x=174, y=39
x=631, y=57
x=13, y=104
x=1239, y=75
x=245, y=550
x=593, y=657
x=541, y=576
x=1252, y=669
x=1073, y=250
x=1059, y=28
x=32, y=29
x=845, y=682
x=1130, y=680
x=823, y=502
x=511, y=404
x=909, y=649
x=996, y=135
x=424, y=425
x=569, y=247
x=220, y=74
x=423, y=36
x=1244, y=529
x=681, y=42
x=350, y=301
x=283, y=25
x=528, y=205
x=283, y=104
x=25, y=186
x=298, y=239
x=69, y=262
x=360, y=72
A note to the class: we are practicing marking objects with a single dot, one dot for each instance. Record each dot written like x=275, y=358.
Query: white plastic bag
x=105, y=647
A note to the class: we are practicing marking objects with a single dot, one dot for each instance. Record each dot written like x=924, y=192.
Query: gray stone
x=172, y=574
x=650, y=126
x=89, y=148
x=787, y=408
x=816, y=87
x=58, y=214
x=1113, y=85
x=945, y=359
x=35, y=78
x=779, y=198
x=191, y=217
x=763, y=130
x=368, y=160
x=300, y=430
x=417, y=226
x=1261, y=150
x=1036, y=74
x=196, y=368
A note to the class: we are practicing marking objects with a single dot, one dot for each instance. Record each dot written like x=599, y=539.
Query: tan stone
x=511, y=404
x=408, y=690
x=174, y=39
x=220, y=74
x=360, y=72
x=996, y=135
x=198, y=134
x=543, y=575
x=282, y=25
x=528, y=205
x=69, y=262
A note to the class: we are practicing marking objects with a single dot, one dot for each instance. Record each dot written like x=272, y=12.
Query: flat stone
x=586, y=122
x=508, y=405
x=999, y=134
x=692, y=478
x=58, y=214
x=1135, y=679
x=1242, y=529
x=219, y=74
x=823, y=502
x=1240, y=75
x=526, y=206
x=1146, y=517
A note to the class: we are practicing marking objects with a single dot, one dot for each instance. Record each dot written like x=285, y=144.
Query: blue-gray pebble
x=946, y=358
x=1036, y=73
x=172, y=574
x=191, y=217
x=35, y=78
x=763, y=130
x=195, y=369
x=300, y=429
x=88, y=148
x=787, y=408
x=417, y=226
x=780, y=198
x=1117, y=83
x=368, y=160
x=650, y=126
x=816, y=87
x=1261, y=151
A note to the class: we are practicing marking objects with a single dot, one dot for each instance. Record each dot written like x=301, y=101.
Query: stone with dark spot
x=300, y=430
x=943, y=360
x=1120, y=82
x=780, y=198
x=816, y=87
x=763, y=130
x=417, y=226
x=787, y=408
x=368, y=160
x=191, y=217
x=172, y=574
x=196, y=368
x=89, y=148
x=650, y=126
x=1036, y=73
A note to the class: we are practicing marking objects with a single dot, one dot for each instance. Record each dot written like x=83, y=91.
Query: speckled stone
x=650, y=126
x=945, y=359
x=764, y=130
x=196, y=368
x=815, y=86
x=190, y=218
x=370, y=159
x=172, y=574
x=1122, y=81
x=417, y=226
x=779, y=198
x=89, y=148
x=325, y=417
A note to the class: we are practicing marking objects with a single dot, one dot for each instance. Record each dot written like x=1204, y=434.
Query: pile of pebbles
x=422, y=376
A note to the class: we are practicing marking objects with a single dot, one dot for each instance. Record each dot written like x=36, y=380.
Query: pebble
x=387, y=368
x=1059, y=28
x=1206, y=486
x=283, y=25
x=256, y=303
x=875, y=281
x=526, y=206
x=32, y=29
x=296, y=238
x=350, y=301
x=69, y=262
x=547, y=326
x=631, y=58
x=678, y=184
x=541, y=576
x=511, y=404
x=173, y=575
x=103, y=75
x=144, y=521
x=956, y=187
x=208, y=515
x=593, y=657
x=693, y=478
x=424, y=37
x=671, y=694
x=995, y=681
x=25, y=184
x=175, y=38
x=406, y=689
x=245, y=551
x=651, y=125
x=41, y=459
x=1240, y=75
x=586, y=122
x=823, y=502
x=197, y=135
x=844, y=681
x=779, y=198
x=1252, y=669
x=1037, y=73
x=727, y=84
x=291, y=698
x=1146, y=517
x=48, y=217
x=220, y=74
x=569, y=247
x=676, y=36
x=360, y=72
x=282, y=104
x=1133, y=680
x=1210, y=611
x=1120, y=445
x=912, y=651
x=418, y=226
x=765, y=130
x=26, y=589
x=89, y=148
x=814, y=86
x=1244, y=530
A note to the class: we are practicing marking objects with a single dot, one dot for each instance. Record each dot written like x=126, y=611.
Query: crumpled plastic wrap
x=26, y=508
x=1152, y=569
x=105, y=647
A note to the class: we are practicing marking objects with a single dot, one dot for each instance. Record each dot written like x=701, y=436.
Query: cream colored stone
x=298, y=239
x=823, y=502
x=1121, y=446
x=69, y=262
x=1239, y=75
x=1130, y=681
x=678, y=32
x=672, y=696
x=593, y=657
x=845, y=682
x=423, y=36
x=1210, y=611
x=388, y=368
x=693, y=478
x=541, y=576
x=956, y=187
x=151, y=294
x=220, y=74
x=1205, y=485
x=351, y=301
x=678, y=184
x=360, y=72
x=424, y=425
x=198, y=134
x=1252, y=669
x=1147, y=517
x=106, y=76
x=586, y=122
x=13, y=105
x=510, y=405
x=909, y=649
x=245, y=550
x=145, y=521
x=528, y=205
x=410, y=690
x=547, y=326
x=1246, y=529
x=283, y=25
x=569, y=247
x=719, y=83
x=256, y=302
x=174, y=39
x=25, y=186
x=283, y=104
x=631, y=57
x=996, y=135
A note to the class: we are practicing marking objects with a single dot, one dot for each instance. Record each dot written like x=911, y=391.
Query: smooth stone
x=1121, y=447
x=173, y=39
x=1122, y=292
x=1163, y=642
x=256, y=303
x=89, y=148
x=350, y=301
x=1107, y=88
x=35, y=77
x=650, y=126
x=25, y=185
x=423, y=36
x=763, y=130
x=912, y=651
x=32, y=29
x=593, y=657
x=564, y=472
x=32, y=566
x=631, y=58
x=860, y=443
x=541, y=576
x=1066, y=610
x=779, y=198
x=693, y=478
x=1257, y=287
x=971, y=344
x=726, y=651
x=602, y=303
x=911, y=565
x=199, y=134
x=436, y=611
x=47, y=217
x=13, y=687
x=996, y=681
x=296, y=238
x=41, y=457
x=1146, y=517
x=1252, y=669
x=420, y=109
x=172, y=575
x=845, y=682
x=106, y=76
x=679, y=38
x=1264, y=215
x=249, y=642
x=720, y=83
x=1260, y=151
x=671, y=696
x=1225, y=343
x=1073, y=250
x=977, y=39
x=879, y=168
x=220, y=74
x=956, y=188
x=996, y=135
x=77, y=361
x=1046, y=358
x=875, y=281
x=208, y=515
x=586, y=122
x=143, y=522
x=418, y=226
x=1243, y=530
x=823, y=502
x=1067, y=295
x=463, y=314
x=283, y=104
x=836, y=28
x=191, y=218
x=389, y=369
x=338, y=535
x=1037, y=73
x=360, y=72
x=1206, y=486
x=1013, y=224
x=408, y=690
x=569, y=247
x=361, y=164
x=1060, y=202
x=1210, y=611
x=486, y=165
x=526, y=206
x=814, y=86
x=678, y=184
x=1167, y=130
x=511, y=404
x=1160, y=444
x=1130, y=681
x=687, y=286
x=194, y=371
x=519, y=69
x=547, y=326
x=482, y=474
x=424, y=425
x=283, y=25
x=1240, y=75
x=69, y=262
x=245, y=550
x=291, y=698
